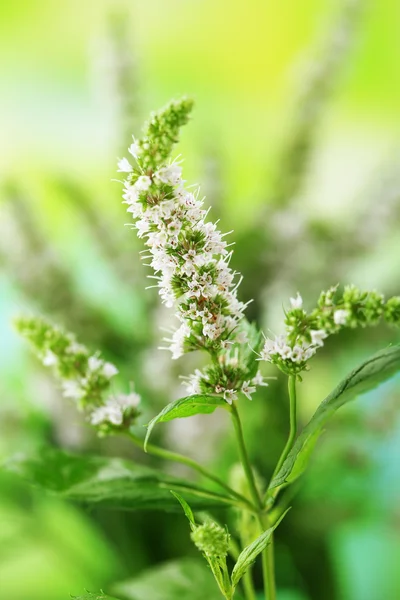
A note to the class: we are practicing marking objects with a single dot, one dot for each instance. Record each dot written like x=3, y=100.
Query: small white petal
x=124, y=166
x=296, y=302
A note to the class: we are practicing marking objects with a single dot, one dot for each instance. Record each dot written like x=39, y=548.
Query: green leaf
x=247, y=557
x=186, y=407
x=91, y=596
x=186, y=579
x=367, y=376
x=186, y=508
x=109, y=482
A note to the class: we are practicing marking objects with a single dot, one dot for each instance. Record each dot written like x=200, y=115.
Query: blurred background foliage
x=296, y=142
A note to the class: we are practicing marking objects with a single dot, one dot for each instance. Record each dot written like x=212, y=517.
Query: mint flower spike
x=85, y=378
x=305, y=333
x=189, y=256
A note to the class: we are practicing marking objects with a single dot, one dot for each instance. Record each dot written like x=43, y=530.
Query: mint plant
x=190, y=262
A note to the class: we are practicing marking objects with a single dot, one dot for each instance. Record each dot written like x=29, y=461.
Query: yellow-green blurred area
x=295, y=140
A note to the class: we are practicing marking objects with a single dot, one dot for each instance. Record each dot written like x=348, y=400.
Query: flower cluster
x=305, y=333
x=85, y=378
x=227, y=378
x=188, y=254
x=211, y=539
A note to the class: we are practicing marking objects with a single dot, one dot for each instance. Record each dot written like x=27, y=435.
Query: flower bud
x=211, y=539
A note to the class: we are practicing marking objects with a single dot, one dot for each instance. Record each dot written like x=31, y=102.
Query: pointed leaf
x=186, y=407
x=109, y=482
x=367, y=376
x=186, y=508
x=247, y=557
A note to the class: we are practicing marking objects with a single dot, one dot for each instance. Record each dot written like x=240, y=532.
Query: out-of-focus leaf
x=109, y=482
x=92, y=596
x=186, y=579
x=368, y=375
x=186, y=407
x=247, y=557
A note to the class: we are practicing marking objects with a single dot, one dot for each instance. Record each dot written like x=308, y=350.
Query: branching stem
x=267, y=554
x=292, y=426
x=189, y=462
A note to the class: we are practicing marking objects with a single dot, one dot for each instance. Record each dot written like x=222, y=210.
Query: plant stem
x=245, y=458
x=179, y=458
x=267, y=554
x=293, y=424
x=248, y=587
x=268, y=562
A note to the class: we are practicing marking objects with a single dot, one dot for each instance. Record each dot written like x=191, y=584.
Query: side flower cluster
x=85, y=378
x=305, y=333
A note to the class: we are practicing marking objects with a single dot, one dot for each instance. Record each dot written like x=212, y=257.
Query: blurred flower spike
x=84, y=378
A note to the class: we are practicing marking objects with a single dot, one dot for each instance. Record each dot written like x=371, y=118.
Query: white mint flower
x=296, y=302
x=95, y=363
x=124, y=166
x=130, y=194
x=317, y=336
x=170, y=175
x=280, y=348
x=49, y=359
x=72, y=389
x=109, y=370
x=114, y=409
x=143, y=183
x=248, y=389
x=107, y=414
x=136, y=209
x=177, y=341
x=76, y=348
x=340, y=317
x=258, y=379
x=134, y=149
x=192, y=384
x=230, y=395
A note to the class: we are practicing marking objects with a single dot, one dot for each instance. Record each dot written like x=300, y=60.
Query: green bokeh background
x=308, y=181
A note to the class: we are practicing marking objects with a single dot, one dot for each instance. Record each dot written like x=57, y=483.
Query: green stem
x=201, y=493
x=248, y=587
x=245, y=458
x=268, y=562
x=292, y=426
x=247, y=580
x=189, y=462
x=267, y=554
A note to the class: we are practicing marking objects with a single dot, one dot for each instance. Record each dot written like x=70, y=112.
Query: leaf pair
x=248, y=555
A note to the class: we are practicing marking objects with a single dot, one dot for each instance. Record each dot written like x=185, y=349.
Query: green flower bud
x=392, y=310
x=373, y=308
x=211, y=539
x=162, y=132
